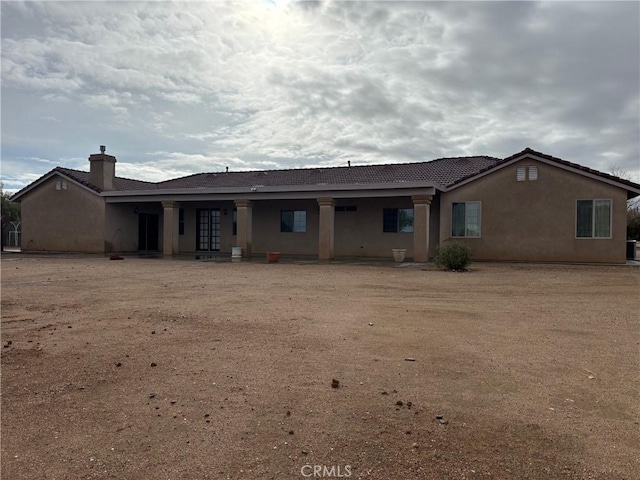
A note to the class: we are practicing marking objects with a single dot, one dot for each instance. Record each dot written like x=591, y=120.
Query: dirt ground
x=185, y=369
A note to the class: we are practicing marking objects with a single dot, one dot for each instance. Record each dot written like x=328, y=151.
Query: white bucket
x=236, y=252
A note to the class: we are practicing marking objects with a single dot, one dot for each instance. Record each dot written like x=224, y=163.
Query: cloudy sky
x=179, y=88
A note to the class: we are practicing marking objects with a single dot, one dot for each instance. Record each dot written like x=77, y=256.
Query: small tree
x=633, y=206
x=633, y=220
x=10, y=211
x=455, y=256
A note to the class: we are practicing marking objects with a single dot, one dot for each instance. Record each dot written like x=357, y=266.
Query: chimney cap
x=103, y=148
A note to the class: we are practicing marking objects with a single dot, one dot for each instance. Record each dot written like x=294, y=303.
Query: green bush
x=455, y=256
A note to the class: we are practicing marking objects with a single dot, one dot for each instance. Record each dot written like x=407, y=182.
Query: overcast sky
x=177, y=88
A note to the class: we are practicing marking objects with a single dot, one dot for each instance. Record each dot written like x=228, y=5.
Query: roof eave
x=17, y=197
x=273, y=189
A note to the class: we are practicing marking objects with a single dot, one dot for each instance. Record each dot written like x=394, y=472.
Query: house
x=527, y=207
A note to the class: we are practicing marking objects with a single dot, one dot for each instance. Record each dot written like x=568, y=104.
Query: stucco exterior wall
x=187, y=241
x=359, y=234
x=121, y=228
x=536, y=220
x=65, y=220
x=267, y=236
x=122, y=225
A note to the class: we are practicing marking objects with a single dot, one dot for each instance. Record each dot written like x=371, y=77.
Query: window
x=396, y=220
x=465, y=219
x=293, y=221
x=521, y=173
x=346, y=208
x=234, y=218
x=181, y=221
x=593, y=219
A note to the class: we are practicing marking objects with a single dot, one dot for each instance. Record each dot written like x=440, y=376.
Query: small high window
x=529, y=172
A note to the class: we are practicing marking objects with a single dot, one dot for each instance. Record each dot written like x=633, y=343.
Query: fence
x=11, y=234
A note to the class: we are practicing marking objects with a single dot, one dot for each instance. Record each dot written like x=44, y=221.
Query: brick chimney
x=103, y=169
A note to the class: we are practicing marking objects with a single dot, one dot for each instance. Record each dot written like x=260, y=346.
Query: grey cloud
x=317, y=83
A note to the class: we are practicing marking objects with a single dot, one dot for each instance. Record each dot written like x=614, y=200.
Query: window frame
x=593, y=219
x=296, y=216
x=466, y=219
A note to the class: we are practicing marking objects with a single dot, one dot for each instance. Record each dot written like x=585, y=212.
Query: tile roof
x=443, y=172
x=119, y=183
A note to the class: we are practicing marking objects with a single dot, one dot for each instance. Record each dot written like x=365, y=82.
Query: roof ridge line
x=465, y=157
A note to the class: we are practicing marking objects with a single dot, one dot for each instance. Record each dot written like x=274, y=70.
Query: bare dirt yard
x=185, y=369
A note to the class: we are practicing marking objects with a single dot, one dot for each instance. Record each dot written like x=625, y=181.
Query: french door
x=208, y=229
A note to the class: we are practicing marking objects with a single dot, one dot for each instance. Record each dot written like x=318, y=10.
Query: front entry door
x=208, y=229
x=148, y=231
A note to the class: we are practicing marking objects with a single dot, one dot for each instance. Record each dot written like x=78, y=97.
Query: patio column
x=245, y=222
x=421, y=211
x=327, y=217
x=170, y=237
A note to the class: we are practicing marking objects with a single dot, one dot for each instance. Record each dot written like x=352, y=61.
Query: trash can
x=631, y=250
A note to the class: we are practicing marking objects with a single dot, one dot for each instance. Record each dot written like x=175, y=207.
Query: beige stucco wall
x=122, y=225
x=536, y=220
x=359, y=234
x=121, y=228
x=71, y=220
x=356, y=233
x=267, y=236
x=187, y=242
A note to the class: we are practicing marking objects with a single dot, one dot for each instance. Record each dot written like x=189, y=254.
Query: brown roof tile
x=118, y=184
x=443, y=172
